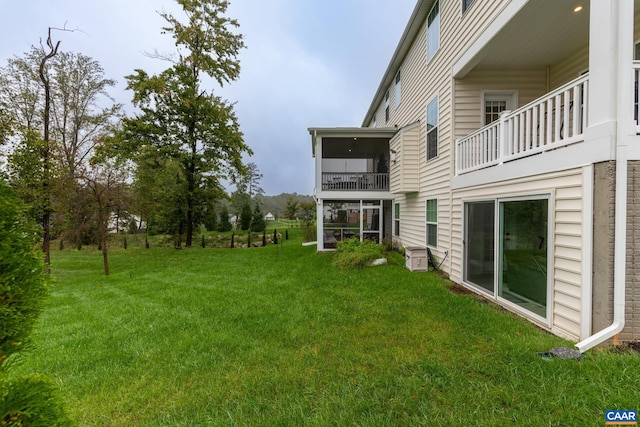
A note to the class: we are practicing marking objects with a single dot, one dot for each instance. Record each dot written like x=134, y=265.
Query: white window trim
x=396, y=220
x=510, y=96
x=398, y=89
x=436, y=98
x=468, y=7
x=387, y=113
x=438, y=47
x=427, y=223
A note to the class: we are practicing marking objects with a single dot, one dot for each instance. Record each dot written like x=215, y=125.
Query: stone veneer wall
x=603, y=252
x=631, y=332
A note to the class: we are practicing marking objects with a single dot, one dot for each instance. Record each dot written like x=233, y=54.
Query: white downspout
x=620, y=254
x=624, y=111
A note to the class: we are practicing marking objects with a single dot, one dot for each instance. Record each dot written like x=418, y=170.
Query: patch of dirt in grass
x=459, y=289
x=627, y=347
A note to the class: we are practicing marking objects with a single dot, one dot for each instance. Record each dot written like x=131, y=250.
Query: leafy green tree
x=224, y=224
x=25, y=400
x=291, y=209
x=210, y=218
x=245, y=217
x=258, y=223
x=249, y=183
x=307, y=215
x=23, y=286
x=54, y=101
x=179, y=117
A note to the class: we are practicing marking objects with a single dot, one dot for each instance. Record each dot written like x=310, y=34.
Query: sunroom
x=352, y=184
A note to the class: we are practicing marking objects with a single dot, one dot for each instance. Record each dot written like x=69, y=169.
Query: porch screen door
x=372, y=221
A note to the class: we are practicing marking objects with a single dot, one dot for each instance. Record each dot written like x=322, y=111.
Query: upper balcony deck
x=555, y=120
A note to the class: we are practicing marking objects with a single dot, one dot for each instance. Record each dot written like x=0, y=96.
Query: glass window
x=398, y=89
x=386, y=106
x=432, y=222
x=433, y=31
x=492, y=110
x=432, y=129
x=479, y=244
x=396, y=219
x=466, y=4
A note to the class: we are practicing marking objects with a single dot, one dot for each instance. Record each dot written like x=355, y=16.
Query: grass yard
x=259, y=337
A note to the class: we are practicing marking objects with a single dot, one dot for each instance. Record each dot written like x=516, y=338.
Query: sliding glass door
x=523, y=254
x=507, y=258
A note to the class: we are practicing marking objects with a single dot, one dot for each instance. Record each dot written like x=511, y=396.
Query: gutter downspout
x=620, y=254
x=624, y=75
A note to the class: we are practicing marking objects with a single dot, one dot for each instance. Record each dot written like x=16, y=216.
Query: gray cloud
x=307, y=63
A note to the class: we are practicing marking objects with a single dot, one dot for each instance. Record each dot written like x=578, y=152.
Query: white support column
x=319, y=224
x=603, y=62
x=616, y=21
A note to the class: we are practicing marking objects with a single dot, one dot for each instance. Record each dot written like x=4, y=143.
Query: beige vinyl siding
x=570, y=68
x=405, y=172
x=565, y=189
x=412, y=219
x=568, y=255
x=421, y=82
x=528, y=84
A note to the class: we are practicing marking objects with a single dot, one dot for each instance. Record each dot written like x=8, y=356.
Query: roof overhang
x=527, y=34
x=349, y=133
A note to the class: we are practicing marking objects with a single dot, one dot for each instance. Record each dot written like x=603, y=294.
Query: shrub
x=352, y=253
x=31, y=401
x=23, y=284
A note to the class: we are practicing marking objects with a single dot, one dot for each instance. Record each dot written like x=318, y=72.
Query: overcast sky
x=308, y=63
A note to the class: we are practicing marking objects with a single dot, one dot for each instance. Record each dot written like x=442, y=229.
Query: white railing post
x=503, y=136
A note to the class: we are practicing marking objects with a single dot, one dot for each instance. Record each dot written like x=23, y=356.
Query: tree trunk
x=103, y=240
x=46, y=216
x=191, y=186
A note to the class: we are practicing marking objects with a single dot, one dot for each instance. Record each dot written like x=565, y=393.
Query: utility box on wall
x=416, y=258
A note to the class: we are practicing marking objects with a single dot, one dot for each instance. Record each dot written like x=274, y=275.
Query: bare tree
x=46, y=216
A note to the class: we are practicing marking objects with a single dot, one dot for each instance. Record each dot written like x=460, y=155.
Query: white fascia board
x=566, y=158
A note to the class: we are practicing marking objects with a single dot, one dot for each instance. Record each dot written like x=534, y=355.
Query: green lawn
x=266, y=337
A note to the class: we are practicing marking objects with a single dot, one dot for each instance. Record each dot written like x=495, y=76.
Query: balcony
x=355, y=181
x=556, y=120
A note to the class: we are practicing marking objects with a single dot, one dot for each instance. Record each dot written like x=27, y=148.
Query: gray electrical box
x=416, y=258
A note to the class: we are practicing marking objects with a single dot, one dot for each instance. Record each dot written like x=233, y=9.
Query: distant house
x=504, y=137
x=269, y=217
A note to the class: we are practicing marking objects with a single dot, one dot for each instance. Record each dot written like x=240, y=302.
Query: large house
x=504, y=138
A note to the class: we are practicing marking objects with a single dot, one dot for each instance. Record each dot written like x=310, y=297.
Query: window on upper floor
x=433, y=30
x=466, y=4
x=432, y=129
x=386, y=106
x=373, y=121
x=398, y=89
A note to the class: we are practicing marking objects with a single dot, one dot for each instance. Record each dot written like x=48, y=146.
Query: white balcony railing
x=636, y=94
x=555, y=120
x=355, y=181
